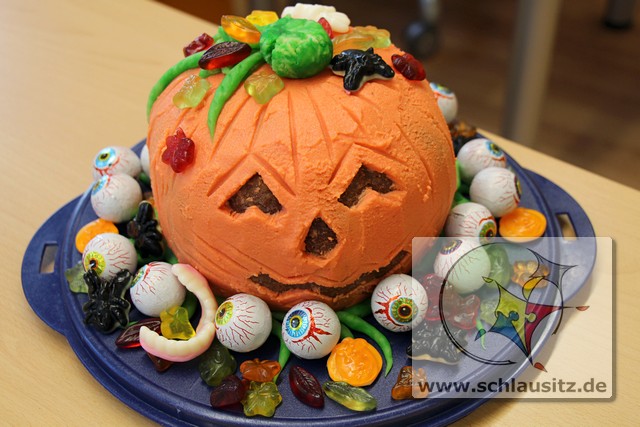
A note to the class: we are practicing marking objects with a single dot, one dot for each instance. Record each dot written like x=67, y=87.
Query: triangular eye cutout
x=320, y=238
x=365, y=178
x=254, y=193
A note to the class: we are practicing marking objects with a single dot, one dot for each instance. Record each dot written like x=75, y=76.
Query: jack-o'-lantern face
x=315, y=195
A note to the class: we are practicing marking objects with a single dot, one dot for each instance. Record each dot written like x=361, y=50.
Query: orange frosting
x=307, y=143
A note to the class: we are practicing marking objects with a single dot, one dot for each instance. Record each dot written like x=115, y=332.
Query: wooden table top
x=74, y=77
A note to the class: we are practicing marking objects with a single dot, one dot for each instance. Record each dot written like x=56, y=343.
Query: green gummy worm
x=186, y=64
x=285, y=353
x=361, y=309
x=345, y=332
x=357, y=324
x=228, y=86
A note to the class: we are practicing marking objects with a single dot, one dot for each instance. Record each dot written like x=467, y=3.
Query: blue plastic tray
x=179, y=397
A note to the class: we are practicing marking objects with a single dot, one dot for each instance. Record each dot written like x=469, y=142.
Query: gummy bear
x=306, y=387
x=408, y=66
x=361, y=38
x=411, y=384
x=230, y=391
x=262, y=17
x=354, y=398
x=261, y=399
x=216, y=364
x=240, y=29
x=180, y=151
x=263, y=86
x=191, y=93
x=381, y=37
x=175, y=324
x=202, y=42
x=261, y=371
x=224, y=54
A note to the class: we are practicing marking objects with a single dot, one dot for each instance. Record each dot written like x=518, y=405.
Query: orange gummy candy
x=91, y=230
x=261, y=371
x=522, y=225
x=355, y=362
x=240, y=29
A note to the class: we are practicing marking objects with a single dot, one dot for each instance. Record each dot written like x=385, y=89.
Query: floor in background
x=591, y=115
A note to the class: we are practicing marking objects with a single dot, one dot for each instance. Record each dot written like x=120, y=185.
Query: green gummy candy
x=261, y=399
x=74, y=276
x=354, y=398
x=216, y=364
x=296, y=48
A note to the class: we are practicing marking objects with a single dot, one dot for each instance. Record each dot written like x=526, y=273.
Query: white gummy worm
x=177, y=350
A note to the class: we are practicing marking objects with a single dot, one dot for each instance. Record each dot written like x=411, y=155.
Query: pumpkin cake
x=315, y=194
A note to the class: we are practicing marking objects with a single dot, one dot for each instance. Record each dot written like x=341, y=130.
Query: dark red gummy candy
x=408, y=66
x=327, y=26
x=160, y=364
x=230, y=391
x=130, y=337
x=202, y=42
x=180, y=151
x=306, y=387
x=224, y=54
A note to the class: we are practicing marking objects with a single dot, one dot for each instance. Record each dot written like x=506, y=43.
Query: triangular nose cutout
x=320, y=239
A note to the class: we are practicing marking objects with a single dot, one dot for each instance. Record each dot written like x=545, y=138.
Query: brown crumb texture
x=320, y=238
x=254, y=193
x=365, y=178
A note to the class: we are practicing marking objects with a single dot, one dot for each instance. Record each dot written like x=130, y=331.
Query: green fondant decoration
x=187, y=63
x=228, y=86
x=296, y=48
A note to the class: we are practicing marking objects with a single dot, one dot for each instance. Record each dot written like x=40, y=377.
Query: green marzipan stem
x=228, y=86
x=187, y=63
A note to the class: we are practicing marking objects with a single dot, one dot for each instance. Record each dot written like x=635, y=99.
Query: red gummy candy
x=224, y=54
x=306, y=387
x=327, y=26
x=230, y=391
x=458, y=311
x=130, y=337
x=160, y=364
x=180, y=151
x=200, y=43
x=408, y=66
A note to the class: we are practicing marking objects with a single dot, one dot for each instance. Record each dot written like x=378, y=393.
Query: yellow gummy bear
x=263, y=86
x=191, y=93
x=262, y=17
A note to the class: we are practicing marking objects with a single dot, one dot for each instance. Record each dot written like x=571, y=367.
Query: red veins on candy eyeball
x=180, y=151
x=203, y=42
x=408, y=66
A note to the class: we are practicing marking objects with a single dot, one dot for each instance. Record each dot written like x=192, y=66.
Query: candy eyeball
x=447, y=101
x=243, y=323
x=471, y=220
x=115, y=161
x=109, y=253
x=478, y=154
x=311, y=329
x=144, y=159
x=399, y=302
x=463, y=263
x=115, y=198
x=156, y=289
x=496, y=188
